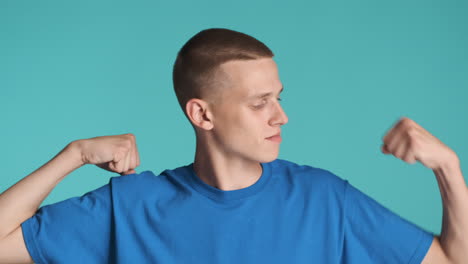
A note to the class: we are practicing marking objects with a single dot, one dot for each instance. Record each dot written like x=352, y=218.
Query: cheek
x=244, y=125
x=254, y=123
x=231, y=126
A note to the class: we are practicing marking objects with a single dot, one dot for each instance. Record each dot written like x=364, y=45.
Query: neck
x=224, y=171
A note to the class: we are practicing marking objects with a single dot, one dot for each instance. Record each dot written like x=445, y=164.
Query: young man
x=236, y=203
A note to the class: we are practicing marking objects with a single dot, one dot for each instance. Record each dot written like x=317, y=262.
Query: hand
x=113, y=153
x=410, y=142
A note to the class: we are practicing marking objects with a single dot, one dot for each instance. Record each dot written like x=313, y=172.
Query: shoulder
x=308, y=174
x=141, y=178
x=167, y=182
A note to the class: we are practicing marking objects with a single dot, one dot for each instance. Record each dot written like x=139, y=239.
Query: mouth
x=275, y=138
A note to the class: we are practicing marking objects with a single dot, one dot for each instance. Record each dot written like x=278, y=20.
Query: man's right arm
x=21, y=201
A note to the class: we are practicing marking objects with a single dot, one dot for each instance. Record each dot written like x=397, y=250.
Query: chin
x=267, y=159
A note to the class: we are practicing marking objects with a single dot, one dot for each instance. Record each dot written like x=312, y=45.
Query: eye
x=258, y=106
x=263, y=104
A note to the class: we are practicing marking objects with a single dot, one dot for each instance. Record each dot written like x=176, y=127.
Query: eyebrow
x=264, y=94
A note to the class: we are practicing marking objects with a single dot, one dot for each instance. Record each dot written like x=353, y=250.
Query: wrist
x=451, y=164
x=75, y=151
x=447, y=160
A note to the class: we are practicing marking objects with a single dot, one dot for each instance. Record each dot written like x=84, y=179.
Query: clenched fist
x=116, y=153
x=410, y=142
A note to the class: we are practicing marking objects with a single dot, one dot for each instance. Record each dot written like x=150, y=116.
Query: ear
x=199, y=114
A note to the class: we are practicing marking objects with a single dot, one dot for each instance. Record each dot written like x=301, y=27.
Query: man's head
x=228, y=87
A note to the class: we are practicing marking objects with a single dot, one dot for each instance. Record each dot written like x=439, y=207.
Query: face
x=249, y=110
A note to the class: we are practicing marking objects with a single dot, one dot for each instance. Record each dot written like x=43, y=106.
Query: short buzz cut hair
x=197, y=64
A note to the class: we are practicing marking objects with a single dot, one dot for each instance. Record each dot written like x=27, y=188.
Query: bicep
x=374, y=233
x=78, y=226
x=435, y=254
x=13, y=249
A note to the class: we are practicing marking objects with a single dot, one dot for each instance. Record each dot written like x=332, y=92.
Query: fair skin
x=231, y=139
x=410, y=142
x=18, y=203
x=232, y=131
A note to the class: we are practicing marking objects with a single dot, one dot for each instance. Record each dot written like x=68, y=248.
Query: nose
x=280, y=117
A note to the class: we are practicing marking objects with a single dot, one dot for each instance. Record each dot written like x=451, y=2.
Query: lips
x=278, y=134
x=276, y=138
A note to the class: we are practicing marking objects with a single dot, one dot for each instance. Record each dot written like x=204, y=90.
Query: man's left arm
x=453, y=240
x=410, y=142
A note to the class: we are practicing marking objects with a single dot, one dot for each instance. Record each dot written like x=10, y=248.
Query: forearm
x=454, y=192
x=21, y=201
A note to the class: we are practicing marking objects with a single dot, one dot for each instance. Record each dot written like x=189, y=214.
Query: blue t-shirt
x=291, y=214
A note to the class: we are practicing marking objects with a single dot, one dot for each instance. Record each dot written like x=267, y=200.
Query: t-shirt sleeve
x=374, y=234
x=76, y=230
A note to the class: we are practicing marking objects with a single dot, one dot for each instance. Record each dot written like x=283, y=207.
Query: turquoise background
x=351, y=69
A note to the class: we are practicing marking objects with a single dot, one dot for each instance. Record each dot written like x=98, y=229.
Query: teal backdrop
x=78, y=69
